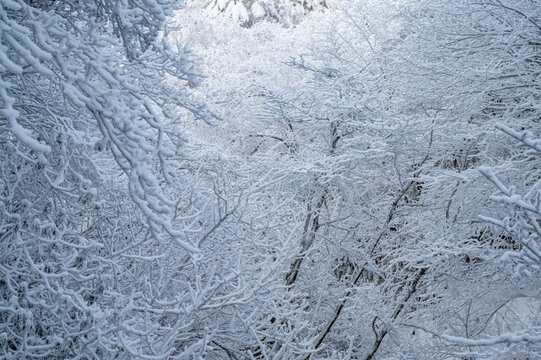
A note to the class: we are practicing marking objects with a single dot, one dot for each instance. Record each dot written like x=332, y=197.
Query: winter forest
x=270, y=179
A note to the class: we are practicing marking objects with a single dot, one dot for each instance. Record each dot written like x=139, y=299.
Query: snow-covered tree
x=478, y=65
x=91, y=208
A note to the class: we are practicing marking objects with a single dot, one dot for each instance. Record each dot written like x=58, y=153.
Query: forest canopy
x=274, y=179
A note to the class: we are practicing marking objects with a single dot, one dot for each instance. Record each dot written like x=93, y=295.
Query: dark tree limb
x=380, y=335
x=311, y=226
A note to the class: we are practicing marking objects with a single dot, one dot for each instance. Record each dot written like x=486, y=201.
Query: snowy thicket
x=362, y=197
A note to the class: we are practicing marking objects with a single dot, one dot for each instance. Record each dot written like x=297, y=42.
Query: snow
x=257, y=10
x=22, y=134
